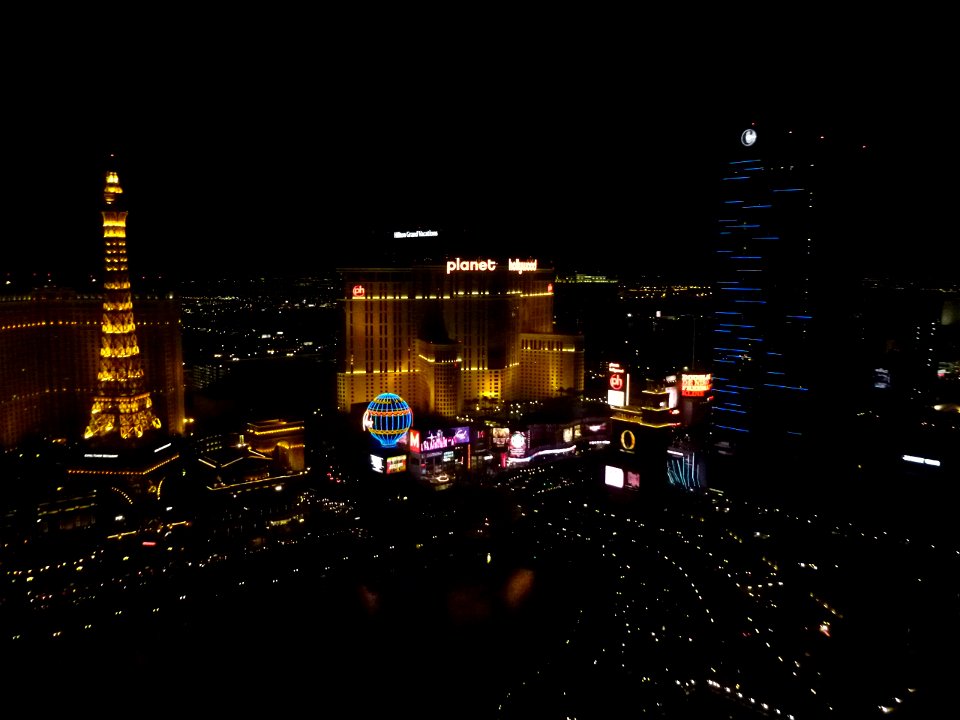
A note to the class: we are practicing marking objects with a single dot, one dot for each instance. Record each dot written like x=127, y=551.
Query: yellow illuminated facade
x=485, y=315
x=121, y=405
x=280, y=439
x=550, y=364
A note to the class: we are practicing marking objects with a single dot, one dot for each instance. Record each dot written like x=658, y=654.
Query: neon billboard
x=438, y=439
x=695, y=385
x=618, y=385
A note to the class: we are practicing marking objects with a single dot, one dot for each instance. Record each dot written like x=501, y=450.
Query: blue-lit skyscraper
x=790, y=219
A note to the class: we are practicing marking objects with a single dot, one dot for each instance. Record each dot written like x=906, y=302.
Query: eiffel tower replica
x=121, y=406
x=123, y=443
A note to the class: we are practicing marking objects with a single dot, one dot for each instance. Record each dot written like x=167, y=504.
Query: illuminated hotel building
x=446, y=336
x=787, y=217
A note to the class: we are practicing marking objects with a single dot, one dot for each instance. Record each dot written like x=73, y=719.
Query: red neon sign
x=359, y=291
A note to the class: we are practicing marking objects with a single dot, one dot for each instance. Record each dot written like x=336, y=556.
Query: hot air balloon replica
x=387, y=418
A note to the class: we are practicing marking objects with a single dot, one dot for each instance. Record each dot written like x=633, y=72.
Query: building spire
x=121, y=407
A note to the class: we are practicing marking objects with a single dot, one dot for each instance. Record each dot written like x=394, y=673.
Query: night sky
x=290, y=177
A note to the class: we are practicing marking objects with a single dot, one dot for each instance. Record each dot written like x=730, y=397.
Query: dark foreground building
x=790, y=217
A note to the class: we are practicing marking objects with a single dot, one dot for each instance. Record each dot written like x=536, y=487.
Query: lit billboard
x=618, y=385
x=621, y=478
x=438, y=439
x=501, y=436
x=518, y=444
x=613, y=476
x=695, y=385
x=392, y=464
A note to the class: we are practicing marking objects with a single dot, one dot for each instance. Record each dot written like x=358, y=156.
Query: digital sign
x=392, y=464
x=621, y=478
x=613, y=476
x=501, y=436
x=618, y=385
x=695, y=385
x=438, y=439
x=518, y=444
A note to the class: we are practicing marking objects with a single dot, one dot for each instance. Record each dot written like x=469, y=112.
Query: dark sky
x=300, y=174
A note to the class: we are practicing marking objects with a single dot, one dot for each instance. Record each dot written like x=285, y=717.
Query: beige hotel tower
x=444, y=337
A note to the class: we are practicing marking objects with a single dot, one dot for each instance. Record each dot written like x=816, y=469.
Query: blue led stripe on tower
x=727, y=427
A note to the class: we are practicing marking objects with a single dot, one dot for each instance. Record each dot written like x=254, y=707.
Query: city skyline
x=582, y=556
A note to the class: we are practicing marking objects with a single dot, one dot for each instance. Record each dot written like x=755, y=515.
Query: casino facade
x=470, y=331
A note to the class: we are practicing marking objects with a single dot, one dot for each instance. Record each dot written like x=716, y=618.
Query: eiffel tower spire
x=121, y=407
